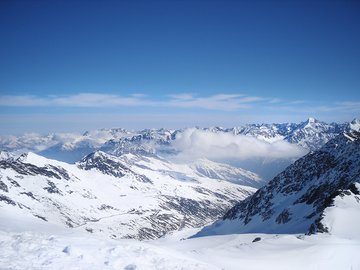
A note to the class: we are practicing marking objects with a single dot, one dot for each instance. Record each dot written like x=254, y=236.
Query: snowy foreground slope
x=130, y=196
x=299, y=199
x=41, y=248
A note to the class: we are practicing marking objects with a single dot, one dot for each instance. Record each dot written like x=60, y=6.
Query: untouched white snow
x=43, y=250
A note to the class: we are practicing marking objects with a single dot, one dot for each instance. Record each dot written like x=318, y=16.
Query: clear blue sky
x=67, y=65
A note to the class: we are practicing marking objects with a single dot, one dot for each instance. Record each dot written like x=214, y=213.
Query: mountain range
x=71, y=147
x=125, y=184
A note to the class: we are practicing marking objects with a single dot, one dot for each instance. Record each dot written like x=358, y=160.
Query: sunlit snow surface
x=44, y=250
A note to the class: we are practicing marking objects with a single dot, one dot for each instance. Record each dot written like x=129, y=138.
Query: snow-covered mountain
x=311, y=134
x=130, y=196
x=144, y=142
x=69, y=147
x=318, y=193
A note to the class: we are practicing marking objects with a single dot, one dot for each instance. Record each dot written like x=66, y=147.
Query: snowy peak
x=110, y=165
x=355, y=125
x=311, y=121
x=33, y=158
x=30, y=164
x=312, y=134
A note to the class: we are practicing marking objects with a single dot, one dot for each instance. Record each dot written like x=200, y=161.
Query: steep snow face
x=295, y=200
x=342, y=218
x=130, y=196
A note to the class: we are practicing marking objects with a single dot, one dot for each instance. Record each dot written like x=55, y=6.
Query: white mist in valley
x=259, y=156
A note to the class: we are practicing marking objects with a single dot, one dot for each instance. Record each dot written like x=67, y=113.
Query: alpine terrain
x=122, y=199
x=130, y=196
x=320, y=192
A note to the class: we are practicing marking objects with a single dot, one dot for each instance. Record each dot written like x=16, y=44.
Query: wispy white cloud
x=78, y=100
x=275, y=100
x=305, y=107
x=351, y=106
x=224, y=102
x=182, y=96
x=297, y=102
x=218, y=102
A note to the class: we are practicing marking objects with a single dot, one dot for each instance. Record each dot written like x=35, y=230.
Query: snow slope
x=42, y=245
x=342, y=218
x=43, y=250
x=220, y=171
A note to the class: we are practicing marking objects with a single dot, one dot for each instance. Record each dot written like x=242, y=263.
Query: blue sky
x=77, y=65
